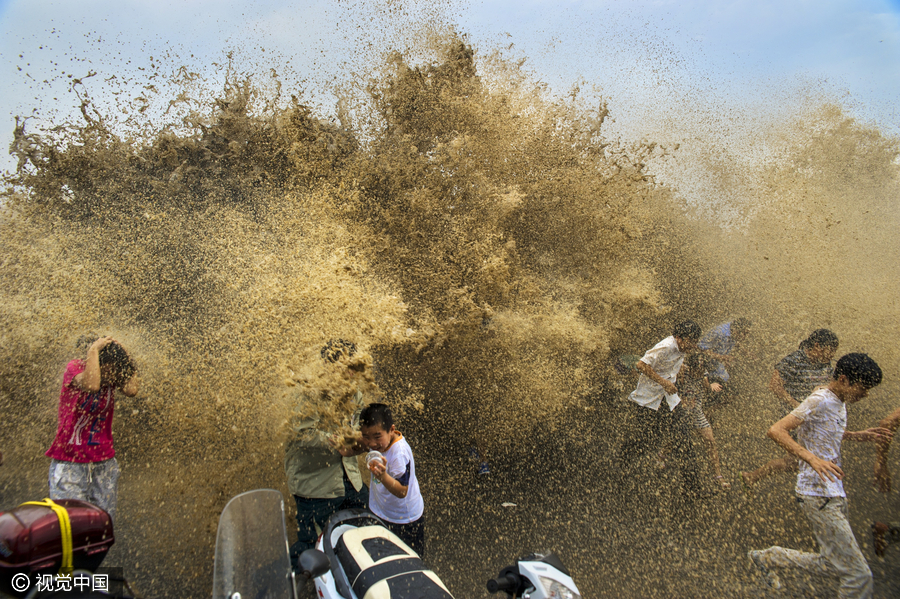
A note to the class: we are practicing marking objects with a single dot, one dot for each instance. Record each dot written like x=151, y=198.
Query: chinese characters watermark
x=78, y=581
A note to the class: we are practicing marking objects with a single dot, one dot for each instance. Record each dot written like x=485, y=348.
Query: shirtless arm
x=882, y=474
x=130, y=388
x=89, y=378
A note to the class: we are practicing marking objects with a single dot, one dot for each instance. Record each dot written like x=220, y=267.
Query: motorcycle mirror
x=313, y=563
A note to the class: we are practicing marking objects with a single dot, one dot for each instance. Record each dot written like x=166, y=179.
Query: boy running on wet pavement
x=651, y=424
x=884, y=534
x=794, y=378
x=821, y=421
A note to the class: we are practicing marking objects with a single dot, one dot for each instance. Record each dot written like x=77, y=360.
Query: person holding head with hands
x=322, y=474
x=83, y=464
x=394, y=495
x=821, y=421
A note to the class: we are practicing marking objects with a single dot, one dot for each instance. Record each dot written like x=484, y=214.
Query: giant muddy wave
x=490, y=250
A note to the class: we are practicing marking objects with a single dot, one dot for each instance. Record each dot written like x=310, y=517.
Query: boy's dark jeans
x=312, y=512
x=649, y=429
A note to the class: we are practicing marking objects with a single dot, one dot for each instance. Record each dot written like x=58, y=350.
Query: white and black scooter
x=355, y=558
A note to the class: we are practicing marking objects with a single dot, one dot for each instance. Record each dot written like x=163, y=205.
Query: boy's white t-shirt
x=665, y=359
x=402, y=467
x=823, y=421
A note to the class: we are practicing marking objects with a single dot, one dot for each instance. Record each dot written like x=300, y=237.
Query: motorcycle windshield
x=252, y=560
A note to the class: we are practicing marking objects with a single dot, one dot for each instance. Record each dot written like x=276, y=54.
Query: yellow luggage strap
x=65, y=530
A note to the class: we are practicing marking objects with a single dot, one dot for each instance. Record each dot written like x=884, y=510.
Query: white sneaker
x=770, y=577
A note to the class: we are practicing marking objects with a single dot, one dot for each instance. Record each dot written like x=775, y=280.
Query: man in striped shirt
x=794, y=378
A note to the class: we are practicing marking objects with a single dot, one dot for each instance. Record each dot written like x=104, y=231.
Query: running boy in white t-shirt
x=821, y=420
x=394, y=495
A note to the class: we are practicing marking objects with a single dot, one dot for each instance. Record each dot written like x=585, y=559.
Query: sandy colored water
x=491, y=251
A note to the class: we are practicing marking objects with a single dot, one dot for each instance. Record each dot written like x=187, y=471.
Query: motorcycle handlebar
x=508, y=582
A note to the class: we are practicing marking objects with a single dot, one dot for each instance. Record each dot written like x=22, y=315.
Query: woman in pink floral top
x=83, y=464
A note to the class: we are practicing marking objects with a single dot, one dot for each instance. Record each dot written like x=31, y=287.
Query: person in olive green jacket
x=322, y=475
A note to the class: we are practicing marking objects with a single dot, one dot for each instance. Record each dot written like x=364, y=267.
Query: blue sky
x=650, y=58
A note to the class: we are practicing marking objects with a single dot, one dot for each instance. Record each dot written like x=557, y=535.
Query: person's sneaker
x=879, y=529
x=770, y=577
x=474, y=455
x=484, y=468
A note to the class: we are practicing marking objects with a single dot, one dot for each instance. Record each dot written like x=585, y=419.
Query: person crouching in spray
x=83, y=464
x=720, y=345
x=323, y=475
x=821, y=420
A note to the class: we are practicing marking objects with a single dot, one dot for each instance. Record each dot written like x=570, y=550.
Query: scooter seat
x=381, y=566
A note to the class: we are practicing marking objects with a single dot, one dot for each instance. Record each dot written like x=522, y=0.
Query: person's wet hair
x=332, y=351
x=114, y=355
x=688, y=329
x=820, y=337
x=377, y=414
x=858, y=368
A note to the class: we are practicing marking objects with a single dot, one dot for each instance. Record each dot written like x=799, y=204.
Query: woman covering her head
x=83, y=464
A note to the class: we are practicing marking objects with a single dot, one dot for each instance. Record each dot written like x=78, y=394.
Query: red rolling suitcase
x=32, y=539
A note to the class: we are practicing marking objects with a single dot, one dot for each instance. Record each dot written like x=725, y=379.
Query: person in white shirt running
x=821, y=420
x=654, y=409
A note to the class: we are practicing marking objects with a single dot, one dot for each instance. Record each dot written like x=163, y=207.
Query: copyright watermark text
x=77, y=581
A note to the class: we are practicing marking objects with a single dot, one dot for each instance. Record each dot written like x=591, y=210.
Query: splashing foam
x=482, y=241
